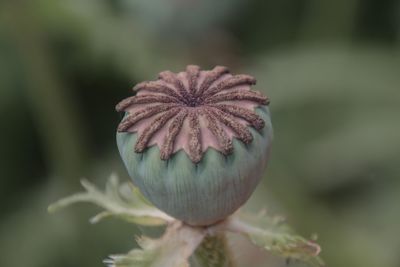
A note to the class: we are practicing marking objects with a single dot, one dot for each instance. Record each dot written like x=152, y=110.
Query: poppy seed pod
x=196, y=143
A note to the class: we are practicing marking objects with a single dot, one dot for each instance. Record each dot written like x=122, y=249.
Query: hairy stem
x=213, y=252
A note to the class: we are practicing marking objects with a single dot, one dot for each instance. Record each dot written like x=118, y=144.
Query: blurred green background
x=331, y=69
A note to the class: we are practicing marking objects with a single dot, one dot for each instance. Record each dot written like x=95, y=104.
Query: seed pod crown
x=192, y=110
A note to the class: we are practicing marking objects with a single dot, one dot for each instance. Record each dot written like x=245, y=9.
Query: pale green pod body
x=196, y=143
x=202, y=193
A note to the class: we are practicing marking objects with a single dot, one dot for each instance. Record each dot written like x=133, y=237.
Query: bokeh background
x=331, y=69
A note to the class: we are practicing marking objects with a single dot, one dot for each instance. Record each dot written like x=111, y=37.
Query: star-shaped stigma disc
x=193, y=110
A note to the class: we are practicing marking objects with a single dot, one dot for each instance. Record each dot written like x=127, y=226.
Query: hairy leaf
x=122, y=201
x=276, y=237
x=173, y=249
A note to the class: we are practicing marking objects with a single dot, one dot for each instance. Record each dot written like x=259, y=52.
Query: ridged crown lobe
x=192, y=110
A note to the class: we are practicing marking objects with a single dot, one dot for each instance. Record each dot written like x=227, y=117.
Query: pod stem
x=214, y=251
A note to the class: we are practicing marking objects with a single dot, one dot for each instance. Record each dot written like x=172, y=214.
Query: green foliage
x=122, y=201
x=178, y=243
x=173, y=249
x=275, y=236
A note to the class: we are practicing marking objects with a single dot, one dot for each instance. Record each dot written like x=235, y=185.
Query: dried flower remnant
x=177, y=105
x=196, y=142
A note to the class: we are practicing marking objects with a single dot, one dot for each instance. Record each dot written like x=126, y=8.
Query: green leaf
x=173, y=249
x=123, y=201
x=276, y=237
